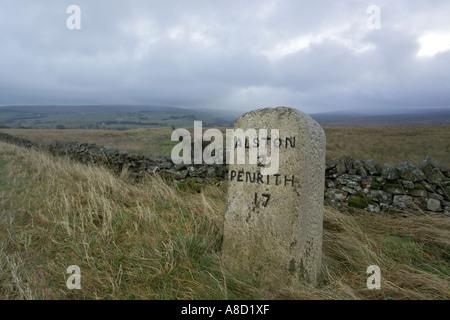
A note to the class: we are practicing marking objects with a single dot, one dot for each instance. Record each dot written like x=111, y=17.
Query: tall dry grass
x=130, y=241
x=150, y=240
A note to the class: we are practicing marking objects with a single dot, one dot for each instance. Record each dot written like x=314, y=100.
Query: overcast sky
x=317, y=56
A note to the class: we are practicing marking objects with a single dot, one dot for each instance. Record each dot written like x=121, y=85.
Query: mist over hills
x=125, y=117
x=407, y=117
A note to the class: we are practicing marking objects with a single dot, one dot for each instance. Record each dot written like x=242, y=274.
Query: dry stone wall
x=362, y=184
x=136, y=165
x=375, y=187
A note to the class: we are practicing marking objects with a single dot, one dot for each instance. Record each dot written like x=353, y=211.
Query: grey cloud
x=317, y=56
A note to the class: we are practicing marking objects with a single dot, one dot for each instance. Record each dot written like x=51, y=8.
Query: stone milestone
x=273, y=223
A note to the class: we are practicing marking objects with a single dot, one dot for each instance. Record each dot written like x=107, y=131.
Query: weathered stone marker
x=273, y=223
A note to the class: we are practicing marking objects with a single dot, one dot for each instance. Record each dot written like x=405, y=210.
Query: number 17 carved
x=265, y=200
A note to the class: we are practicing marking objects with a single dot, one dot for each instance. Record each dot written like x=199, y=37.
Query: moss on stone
x=360, y=194
x=419, y=186
x=190, y=184
x=390, y=186
x=358, y=202
x=375, y=185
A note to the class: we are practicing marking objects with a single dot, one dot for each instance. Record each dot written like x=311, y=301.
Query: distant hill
x=421, y=117
x=125, y=117
x=109, y=117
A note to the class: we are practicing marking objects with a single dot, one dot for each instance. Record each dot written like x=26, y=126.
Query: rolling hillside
x=108, y=117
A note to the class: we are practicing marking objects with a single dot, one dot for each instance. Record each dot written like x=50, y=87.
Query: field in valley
x=151, y=240
x=384, y=144
x=115, y=117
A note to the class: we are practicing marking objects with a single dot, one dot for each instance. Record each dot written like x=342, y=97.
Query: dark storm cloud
x=317, y=56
